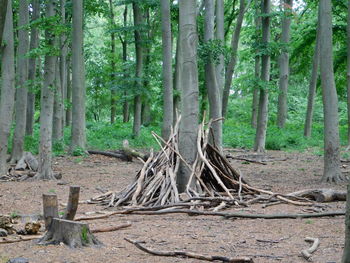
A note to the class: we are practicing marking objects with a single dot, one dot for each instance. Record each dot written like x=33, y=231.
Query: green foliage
x=84, y=234
x=78, y=151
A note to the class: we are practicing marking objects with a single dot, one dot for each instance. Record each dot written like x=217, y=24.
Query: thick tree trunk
x=348, y=69
x=139, y=69
x=210, y=77
x=7, y=89
x=231, y=65
x=313, y=84
x=78, y=79
x=113, y=68
x=57, y=129
x=220, y=35
x=3, y=9
x=260, y=136
x=189, y=83
x=346, y=252
x=283, y=63
x=331, y=171
x=167, y=70
x=47, y=100
x=21, y=90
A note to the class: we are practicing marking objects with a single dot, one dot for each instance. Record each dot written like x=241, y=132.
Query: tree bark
x=69, y=94
x=210, y=77
x=57, y=129
x=189, y=83
x=260, y=136
x=313, y=83
x=220, y=35
x=7, y=98
x=47, y=100
x=78, y=79
x=177, y=82
x=139, y=68
x=3, y=9
x=167, y=70
x=34, y=43
x=21, y=90
x=63, y=63
x=113, y=68
x=126, y=112
x=331, y=171
x=346, y=252
x=231, y=65
x=348, y=69
x=283, y=63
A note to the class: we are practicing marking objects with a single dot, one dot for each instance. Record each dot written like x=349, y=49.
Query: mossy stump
x=73, y=234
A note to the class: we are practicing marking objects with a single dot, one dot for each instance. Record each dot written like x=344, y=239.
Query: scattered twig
x=306, y=253
x=111, y=228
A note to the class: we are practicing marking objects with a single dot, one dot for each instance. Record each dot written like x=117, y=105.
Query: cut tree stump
x=73, y=234
x=50, y=207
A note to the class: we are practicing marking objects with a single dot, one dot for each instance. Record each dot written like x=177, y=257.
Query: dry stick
x=245, y=159
x=306, y=253
x=188, y=254
x=111, y=228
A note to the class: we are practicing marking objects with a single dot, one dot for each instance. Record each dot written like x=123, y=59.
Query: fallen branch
x=111, y=228
x=306, y=253
x=189, y=254
x=245, y=159
x=120, y=155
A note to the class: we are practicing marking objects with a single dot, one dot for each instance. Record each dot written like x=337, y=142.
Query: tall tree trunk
x=63, y=63
x=220, y=35
x=231, y=65
x=78, y=79
x=69, y=94
x=210, y=77
x=331, y=171
x=346, y=252
x=167, y=70
x=189, y=83
x=177, y=81
x=3, y=9
x=21, y=91
x=47, y=100
x=113, y=69
x=139, y=69
x=126, y=112
x=348, y=69
x=57, y=131
x=7, y=98
x=260, y=136
x=34, y=43
x=283, y=63
x=313, y=83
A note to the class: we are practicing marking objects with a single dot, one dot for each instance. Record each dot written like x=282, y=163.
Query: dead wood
x=111, y=228
x=28, y=161
x=73, y=201
x=245, y=159
x=50, y=208
x=321, y=195
x=120, y=155
x=306, y=253
x=189, y=254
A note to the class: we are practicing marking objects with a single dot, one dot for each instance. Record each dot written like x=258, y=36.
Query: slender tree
x=34, y=43
x=126, y=113
x=283, y=63
x=189, y=83
x=57, y=128
x=3, y=9
x=260, y=136
x=63, y=62
x=346, y=252
x=220, y=35
x=332, y=171
x=167, y=69
x=348, y=69
x=7, y=89
x=78, y=79
x=47, y=100
x=69, y=93
x=113, y=67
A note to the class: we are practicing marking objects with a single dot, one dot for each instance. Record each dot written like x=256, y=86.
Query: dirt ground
x=264, y=240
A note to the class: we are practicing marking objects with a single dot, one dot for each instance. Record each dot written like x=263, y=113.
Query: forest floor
x=277, y=240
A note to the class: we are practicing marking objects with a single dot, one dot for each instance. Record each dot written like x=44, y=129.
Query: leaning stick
x=306, y=253
x=189, y=254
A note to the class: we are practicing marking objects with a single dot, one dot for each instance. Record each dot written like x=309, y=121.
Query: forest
x=178, y=130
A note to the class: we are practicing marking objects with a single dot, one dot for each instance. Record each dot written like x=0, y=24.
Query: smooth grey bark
x=22, y=77
x=167, y=69
x=126, y=112
x=113, y=67
x=220, y=35
x=211, y=84
x=177, y=82
x=3, y=9
x=57, y=128
x=63, y=62
x=332, y=172
x=69, y=94
x=139, y=68
x=313, y=84
x=233, y=59
x=34, y=43
x=348, y=69
x=346, y=251
x=46, y=102
x=283, y=64
x=260, y=137
x=189, y=83
x=7, y=98
x=78, y=79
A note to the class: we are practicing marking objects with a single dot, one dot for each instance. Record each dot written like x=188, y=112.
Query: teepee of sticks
x=212, y=178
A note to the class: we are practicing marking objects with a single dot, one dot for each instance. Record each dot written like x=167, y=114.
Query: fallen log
x=321, y=195
x=189, y=254
x=306, y=253
x=120, y=155
x=111, y=228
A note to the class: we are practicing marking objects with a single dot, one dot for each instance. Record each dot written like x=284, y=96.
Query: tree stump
x=50, y=207
x=73, y=234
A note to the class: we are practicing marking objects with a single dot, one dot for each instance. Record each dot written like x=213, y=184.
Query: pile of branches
x=213, y=181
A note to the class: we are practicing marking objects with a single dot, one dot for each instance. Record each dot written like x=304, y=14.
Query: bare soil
x=264, y=240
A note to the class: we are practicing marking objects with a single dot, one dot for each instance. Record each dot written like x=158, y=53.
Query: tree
x=34, y=43
x=189, y=83
x=3, y=9
x=47, y=100
x=332, y=171
x=220, y=35
x=167, y=70
x=78, y=79
x=57, y=129
x=346, y=252
x=63, y=62
x=214, y=93
x=260, y=136
x=348, y=69
x=283, y=63
x=113, y=68
x=7, y=89
x=124, y=42
x=21, y=91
